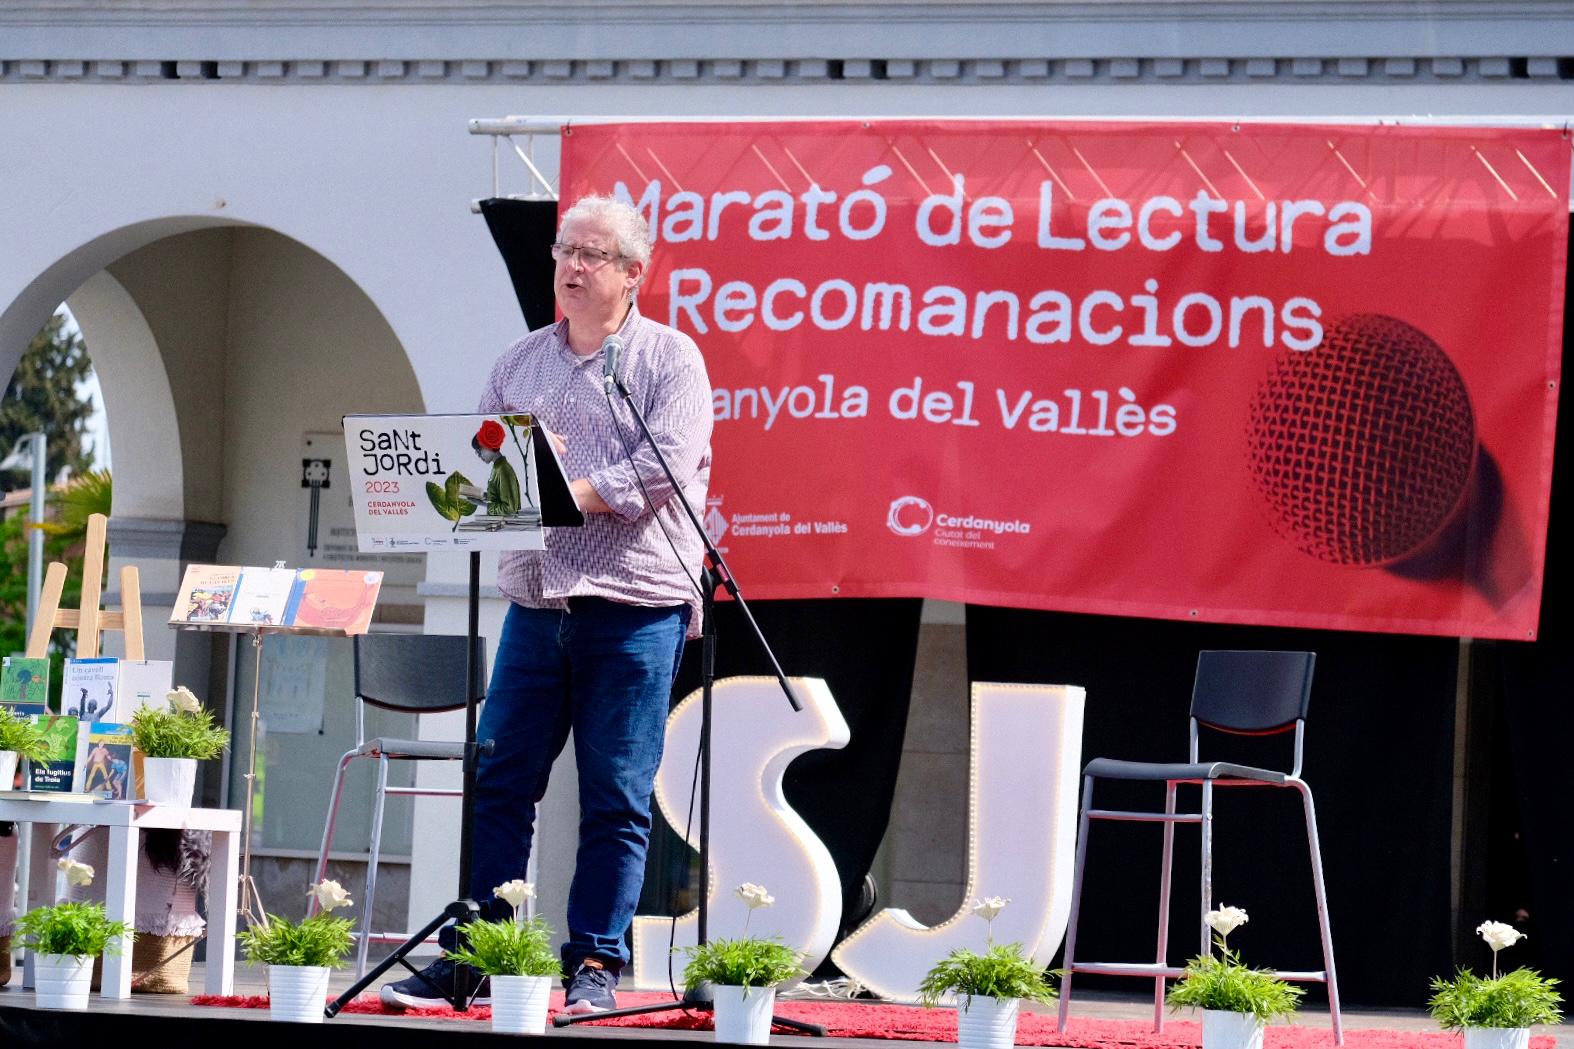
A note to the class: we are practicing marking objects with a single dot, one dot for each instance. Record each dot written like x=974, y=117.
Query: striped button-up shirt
x=623, y=555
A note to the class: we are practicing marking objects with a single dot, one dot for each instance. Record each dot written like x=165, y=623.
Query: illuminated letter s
x=754, y=835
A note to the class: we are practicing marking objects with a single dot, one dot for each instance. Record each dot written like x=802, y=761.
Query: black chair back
x=1252, y=693
x=415, y=673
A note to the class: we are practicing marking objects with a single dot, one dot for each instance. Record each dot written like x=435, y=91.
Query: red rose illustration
x=490, y=435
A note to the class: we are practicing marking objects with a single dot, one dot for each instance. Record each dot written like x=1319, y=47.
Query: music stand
x=251, y=905
x=558, y=510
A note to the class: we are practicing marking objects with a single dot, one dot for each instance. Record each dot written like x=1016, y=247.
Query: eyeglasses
x=589, y=258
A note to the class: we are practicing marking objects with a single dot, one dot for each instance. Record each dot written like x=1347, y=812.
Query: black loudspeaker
x=524, y=231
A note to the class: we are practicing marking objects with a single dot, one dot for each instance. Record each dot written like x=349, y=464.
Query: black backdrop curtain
x=523, y=231
x=1528, y=841
x=1378, y=757
x=865, y=651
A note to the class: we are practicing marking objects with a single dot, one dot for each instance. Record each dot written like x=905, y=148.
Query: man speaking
x=596, y=622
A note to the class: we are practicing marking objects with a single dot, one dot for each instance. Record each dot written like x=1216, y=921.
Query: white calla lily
x=183, y=701
x=515, y=892
x=1226, y=920
x=330, y=895
x=76, y=873
x=988, y=907
x=1498, y=936
x=754, y=895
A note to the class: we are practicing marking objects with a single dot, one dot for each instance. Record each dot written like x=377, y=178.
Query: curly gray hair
x=625, y=222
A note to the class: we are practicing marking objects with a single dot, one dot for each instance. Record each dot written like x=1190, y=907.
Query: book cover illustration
x=90, y=689
x=143, y=683
x=503, y=503
x=205, y=594
x=445, y=481
x=24, y=685
x=111, y=763
x=334, y=599
x=56, y=774
x=262, y=596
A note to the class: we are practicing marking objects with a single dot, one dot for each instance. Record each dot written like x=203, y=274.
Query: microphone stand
x=716, y=573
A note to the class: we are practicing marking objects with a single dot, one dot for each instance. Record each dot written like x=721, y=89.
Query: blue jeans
x=604, y=670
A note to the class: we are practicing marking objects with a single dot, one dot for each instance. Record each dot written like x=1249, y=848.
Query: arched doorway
x=221, y=349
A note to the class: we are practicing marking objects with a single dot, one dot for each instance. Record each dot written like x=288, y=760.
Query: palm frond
x=83, y=496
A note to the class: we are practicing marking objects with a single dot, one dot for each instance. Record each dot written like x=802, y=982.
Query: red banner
x=1280, y=374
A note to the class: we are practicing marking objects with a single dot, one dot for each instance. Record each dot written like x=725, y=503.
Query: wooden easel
x=88, y=619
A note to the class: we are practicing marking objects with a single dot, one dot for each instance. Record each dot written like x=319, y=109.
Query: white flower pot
x=8, y=760
x=170, y=781
x=61, y=980
x=743, y=1014
x=1222, y=1029
x=1497, y=1038
x=986, y=1023
x=519, y=1004
x=297, y=993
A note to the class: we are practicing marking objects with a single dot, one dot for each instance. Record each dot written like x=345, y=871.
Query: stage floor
x=1099, y=1005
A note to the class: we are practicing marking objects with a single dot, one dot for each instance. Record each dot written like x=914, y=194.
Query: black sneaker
x=591, y=990
x=414, y=992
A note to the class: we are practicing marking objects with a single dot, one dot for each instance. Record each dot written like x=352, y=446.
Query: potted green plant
x=517, y=954
x=173, y=739
x=65, y=938
x=1496, y=1013
x=299, y=956
x=989, y=988
x=19, y=739
x=1236, y=1001
x=742, y=975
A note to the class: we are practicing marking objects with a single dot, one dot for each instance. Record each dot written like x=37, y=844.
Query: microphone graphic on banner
x=1367, y=452
x=611, y=351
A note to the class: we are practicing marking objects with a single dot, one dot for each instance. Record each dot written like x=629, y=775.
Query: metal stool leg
x=1322, y=912
x=1076, y=904
x=1162, y=953
x=370, y=892
x=327, y=830
x=1207, y=866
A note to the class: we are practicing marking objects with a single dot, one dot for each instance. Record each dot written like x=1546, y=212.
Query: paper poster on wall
x=294, y=683
x=325, y=532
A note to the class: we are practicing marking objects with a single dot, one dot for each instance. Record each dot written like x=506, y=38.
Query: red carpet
x=909, y=1023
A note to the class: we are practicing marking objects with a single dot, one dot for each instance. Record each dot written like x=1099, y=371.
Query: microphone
x=1363, y=448
x=611, y=351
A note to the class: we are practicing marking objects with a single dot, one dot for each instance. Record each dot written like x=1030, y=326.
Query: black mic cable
x=612, y=347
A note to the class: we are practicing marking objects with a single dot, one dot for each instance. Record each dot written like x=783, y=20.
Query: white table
x=125, y=824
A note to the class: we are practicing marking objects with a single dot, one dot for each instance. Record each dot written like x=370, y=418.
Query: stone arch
x=138, y=403
x=218, y=345
x=25, y=314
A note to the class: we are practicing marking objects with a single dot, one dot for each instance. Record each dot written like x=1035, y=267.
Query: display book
x=88, y=732
x=326, y=600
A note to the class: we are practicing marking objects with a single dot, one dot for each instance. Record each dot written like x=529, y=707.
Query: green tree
x=69, y=508
x=42, y=395
x=13, y=594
